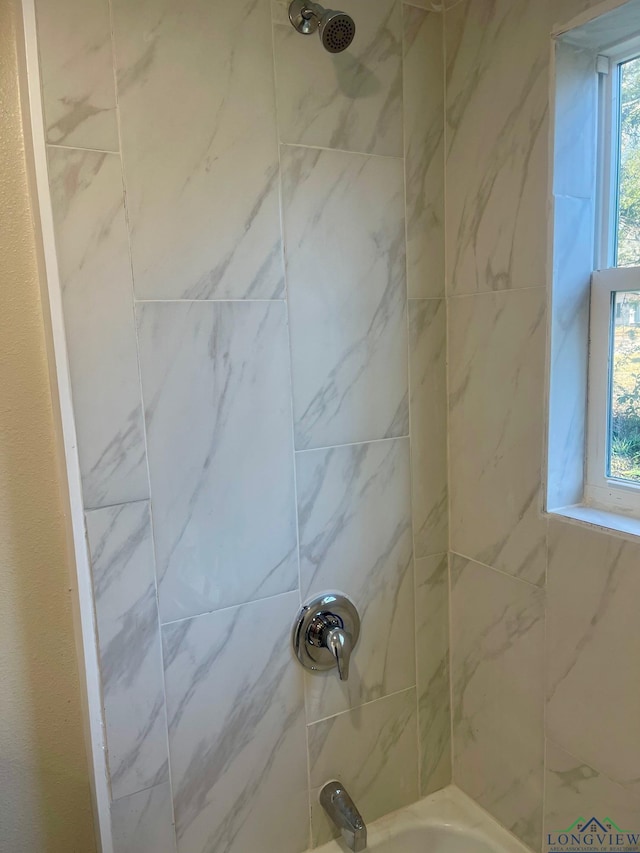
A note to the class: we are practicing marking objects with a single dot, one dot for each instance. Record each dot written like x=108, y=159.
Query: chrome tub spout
x=342, y=811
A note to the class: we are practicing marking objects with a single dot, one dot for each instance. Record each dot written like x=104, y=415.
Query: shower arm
x=307, y=16
x=312, y=10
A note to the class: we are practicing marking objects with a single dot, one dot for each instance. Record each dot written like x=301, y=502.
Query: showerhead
x=336, y=29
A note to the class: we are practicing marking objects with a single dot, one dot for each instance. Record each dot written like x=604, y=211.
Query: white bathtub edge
x=448, y=807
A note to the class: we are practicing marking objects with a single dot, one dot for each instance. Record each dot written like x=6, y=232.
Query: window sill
x=601, y=518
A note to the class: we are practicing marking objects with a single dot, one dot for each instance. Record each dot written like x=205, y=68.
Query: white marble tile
x=355, y=536
x=237, y=730
x=143, y=822
x=428, y=410
x=496, y=407
x=345, y=256
x=575, y=789
x=573, y=248
x=76, y=68
x=373, y=751
x=498, y=694
x=216, y=384
x=432, y=654
x=423, y=74
x=575, y=120
x=350, y=100
x=497, y=145
x=95, y=272
x=573, y=263
x=607, y=25
x=197, y=107
x=593, y=698
x=121, y=550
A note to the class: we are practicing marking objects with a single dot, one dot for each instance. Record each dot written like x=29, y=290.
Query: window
x=613, y=418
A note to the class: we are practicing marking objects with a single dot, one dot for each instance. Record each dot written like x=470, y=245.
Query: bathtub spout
x=342, y=811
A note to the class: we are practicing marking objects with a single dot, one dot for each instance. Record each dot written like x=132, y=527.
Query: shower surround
x=251, y=252
x=257, y=325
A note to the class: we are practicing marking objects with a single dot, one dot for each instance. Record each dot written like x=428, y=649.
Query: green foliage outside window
x=628, y=253
x=624, y=455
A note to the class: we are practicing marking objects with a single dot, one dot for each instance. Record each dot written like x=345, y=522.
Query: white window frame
x=601, y=491
x=608, y=65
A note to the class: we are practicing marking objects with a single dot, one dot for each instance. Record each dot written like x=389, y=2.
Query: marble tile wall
x=252, y=246
x=514, y=574
x=250, y=242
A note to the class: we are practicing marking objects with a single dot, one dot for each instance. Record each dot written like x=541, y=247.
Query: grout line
x=140, y=791
x=496, y=292
x=353, y=444
x=138, y=301
x=340, y=150
x=81, y=148
x=452, y=750
x=142, y=416
x=417, y=677
x=227, y=608
x=544, y=769
x=499, y=571
x=409, y=374
x=309, y=806
x=544, y=460
x=362, y=705
x=450, y=635
x=115, y=505
x=286, y=302
x=432, y=554
x=293, y=418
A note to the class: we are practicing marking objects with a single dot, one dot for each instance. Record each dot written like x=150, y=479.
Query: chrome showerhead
x=336, y=29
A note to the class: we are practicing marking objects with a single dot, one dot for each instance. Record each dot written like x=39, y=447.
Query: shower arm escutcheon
x=325, y=633
x=305, y=16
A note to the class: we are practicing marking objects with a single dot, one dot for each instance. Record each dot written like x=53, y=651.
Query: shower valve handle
x=325, y=633
x=338, y=641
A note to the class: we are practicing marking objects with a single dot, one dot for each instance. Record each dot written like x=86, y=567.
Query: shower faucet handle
x=338, y=641
x=325, y=633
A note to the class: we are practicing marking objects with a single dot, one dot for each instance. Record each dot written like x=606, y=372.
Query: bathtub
x=445, y=822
